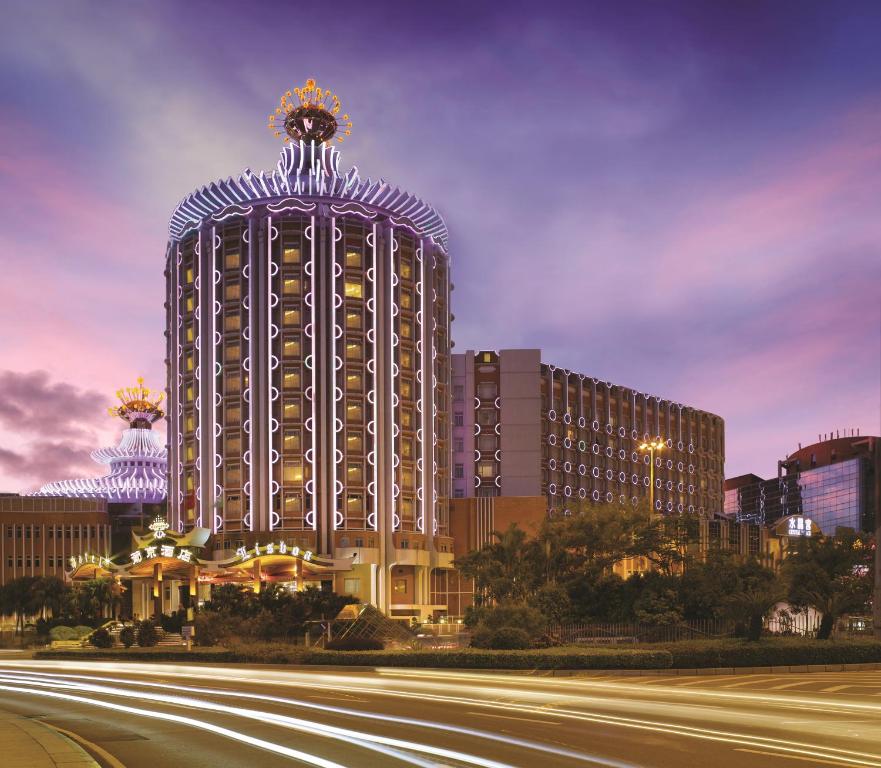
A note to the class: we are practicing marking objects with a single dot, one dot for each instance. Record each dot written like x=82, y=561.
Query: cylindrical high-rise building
x=308, y=336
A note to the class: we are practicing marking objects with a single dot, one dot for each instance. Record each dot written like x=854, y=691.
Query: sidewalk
x=31, y=744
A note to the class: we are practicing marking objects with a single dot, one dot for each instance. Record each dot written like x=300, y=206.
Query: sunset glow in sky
x=684, y=198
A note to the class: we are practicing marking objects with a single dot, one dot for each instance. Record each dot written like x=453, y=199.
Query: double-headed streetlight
x=651, y=447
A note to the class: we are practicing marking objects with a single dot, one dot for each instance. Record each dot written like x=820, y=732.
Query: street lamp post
x=651, y=447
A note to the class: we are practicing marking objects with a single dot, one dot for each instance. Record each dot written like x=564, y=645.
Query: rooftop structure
x=137, y=464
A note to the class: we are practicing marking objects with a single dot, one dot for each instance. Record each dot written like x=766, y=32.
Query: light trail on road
x=534, y=720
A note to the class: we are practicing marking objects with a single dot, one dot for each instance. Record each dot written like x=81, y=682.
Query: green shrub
x=127, y=636
x=101, y=638
x=213, y=627
x=355, y=644
x=147, y=634
x=63, y=633
x=82, y=631
x=770, y=652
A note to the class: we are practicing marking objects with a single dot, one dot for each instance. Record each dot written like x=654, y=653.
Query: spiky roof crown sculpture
x=309, y=114
x=138, y=406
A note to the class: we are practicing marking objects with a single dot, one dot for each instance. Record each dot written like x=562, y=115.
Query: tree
x=831, y=575
x=18, y=598
x=755, y=590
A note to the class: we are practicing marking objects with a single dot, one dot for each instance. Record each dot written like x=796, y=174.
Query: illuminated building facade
x=138, y=465
x=526, y=428
x=308, y=353
x=834, y=483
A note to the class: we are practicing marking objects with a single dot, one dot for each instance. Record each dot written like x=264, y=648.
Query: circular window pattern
x=622, y=432
x=680, y=446
x=691, y=489
x=646, y=459
x=567, y=491
x=609, y=429
x=595, y=495
x=552, y=415
x=595, y=471
x=646, y=482
x=582, y=493
x=634, y=457
x=582, y=470
x=680, y=487
x=552, y=489
x=669, y=464
x=552, y=464
x=634, y=500
x=679, y=508
x=659, y=506
x=567, y=443
x=552, y=439
x=634, y=435
x=596, y=426
x=669, y=485
x=567, y=419
x=691, y=447
x=582, y=422
x=622, y=454
x=609, y=451
x=634, y=479
x=680, y=466
x=691, y=508
x=567, y=466
x=609, y=496
x=582, y=446
x=669, y=506
x=659, y=483
x=609, y=474
x=622, y=477
x=669, y=443
x=596, y=448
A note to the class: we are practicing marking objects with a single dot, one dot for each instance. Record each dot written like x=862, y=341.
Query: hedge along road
x=199, y=715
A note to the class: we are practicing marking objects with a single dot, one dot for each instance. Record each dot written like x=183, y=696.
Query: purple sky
x=680, y=197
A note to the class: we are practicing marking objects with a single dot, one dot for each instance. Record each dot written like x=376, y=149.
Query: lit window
x=189, y=423
x=233, y=444
x=354, y=350
x=354, y=443
x=189, y=394
x=406, y=359
x=406, y=388
x=233, y=383
x=292, y=409
x=292, y=348
x=354, y=412
x=190, y=334
x=233, y=414
x=354, y=503
x=353, y=382
x=232, y=322
x=486, y=469
x=189, y=362
x=190, y=453
x=188, y=278
x=291, y=380
x=354, y=289
x=407, y=448
x=292, y=441
x=400, y=586
x=291, y=286
x=406, y=269
x=233, y=474
x=292, y=504
x=231, y=260
x=406, y=329
x=293, y=472
x=406, y=299
x=406, y=417
x=232, y=291
x=353, y=318
x=351, y=586
x=353, y=258
x=291, y=317
x=190, y=304
x=291, y=256
x=355, y=474
x=233, y=352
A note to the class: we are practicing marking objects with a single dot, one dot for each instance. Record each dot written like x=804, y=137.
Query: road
x=196, y=715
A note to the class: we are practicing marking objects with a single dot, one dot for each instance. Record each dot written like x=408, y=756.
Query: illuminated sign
x=86, y=559
x=273, y=548
x=159, y=526
x=797, y=525
x=166, y=550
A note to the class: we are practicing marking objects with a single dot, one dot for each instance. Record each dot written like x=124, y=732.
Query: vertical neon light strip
x=197, y=288
x=391, y=348
x=178, y=379
x=422, y=410
x=314, y=292
x=214, y=398
x=250, y=371
x=375, y=387
x=333, y=370
x=269, y=369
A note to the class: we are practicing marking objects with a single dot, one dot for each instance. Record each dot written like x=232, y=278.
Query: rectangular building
x=526, y=428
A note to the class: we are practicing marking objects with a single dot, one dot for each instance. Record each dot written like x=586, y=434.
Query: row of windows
x=52, y=531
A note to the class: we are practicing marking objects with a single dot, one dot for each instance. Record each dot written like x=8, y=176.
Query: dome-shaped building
x=308, y=333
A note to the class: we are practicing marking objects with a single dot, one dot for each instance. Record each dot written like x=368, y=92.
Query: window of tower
x=233, y=352
x=233, y=291
x=189, y=333
x=353, y=319
x=293, y=472
x=188, y=275
x=291, y=380
x=189, y=393
x=232, y=322
x=406, y=268
x=354, y=503
x=231, y=260
x=406, y=388
x=407, y=448
x=292, y=409
x=354, y=350
x=354, y=412
x=190, y=304
x=233, y=414
x=189, y=423
x=354, y=289
x=292, y=440
x=291, y=286
x=291, y=348
x=355, y=474
x=406, y=358
x=190, y=453
x=292, y=504
x=189, y=362
x=291, y=255
x=233, y=383
x=354, y=381
x=406, y=299
x=406, y=329
x=233, y=474
x=354, y=442
x=233, y=444
x=291, y=317
x=353, y=258
x=486, y=469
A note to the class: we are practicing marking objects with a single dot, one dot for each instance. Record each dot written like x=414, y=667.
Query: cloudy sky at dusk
x=684, y=198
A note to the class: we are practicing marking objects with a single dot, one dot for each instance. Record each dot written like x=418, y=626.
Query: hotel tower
x=308, y=357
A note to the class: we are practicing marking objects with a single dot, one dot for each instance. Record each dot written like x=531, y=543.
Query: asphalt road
x=195, y=715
